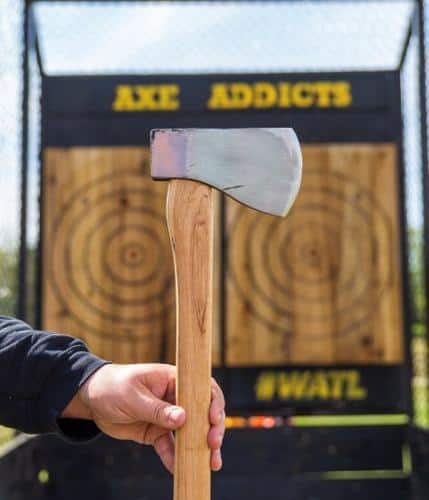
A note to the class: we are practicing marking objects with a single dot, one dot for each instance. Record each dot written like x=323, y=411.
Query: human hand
x=137, y=402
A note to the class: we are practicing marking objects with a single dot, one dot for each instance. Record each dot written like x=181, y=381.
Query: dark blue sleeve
x=40, y=372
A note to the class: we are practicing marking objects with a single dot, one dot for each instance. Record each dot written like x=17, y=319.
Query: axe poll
x=261, y=168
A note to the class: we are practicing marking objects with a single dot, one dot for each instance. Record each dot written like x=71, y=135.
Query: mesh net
x=10, y=129
x=414, y=207
x=201, y=37
x=11, y=14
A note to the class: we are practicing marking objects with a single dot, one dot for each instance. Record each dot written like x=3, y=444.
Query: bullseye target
x=322, y=276
x=120, y=240
x=109, y=270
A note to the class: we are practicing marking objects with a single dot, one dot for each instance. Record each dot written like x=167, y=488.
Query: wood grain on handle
x=190, y=224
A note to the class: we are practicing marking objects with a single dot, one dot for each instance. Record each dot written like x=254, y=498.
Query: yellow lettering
x=218, y=97
x=342, y=94
x=354, y=389
x=168, y=97
x=302, y=95
x=319, y=387
x=293, y=385
x=147, y=98
x=265, y=95
x=241, y=96
x=324, y=94
x=284, y=95
x=230, y=96
x=265, y=387
x=124, y=99
x=337, y=384
x=299, y=385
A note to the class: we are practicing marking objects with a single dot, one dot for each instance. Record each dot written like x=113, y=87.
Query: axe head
x=260, y=167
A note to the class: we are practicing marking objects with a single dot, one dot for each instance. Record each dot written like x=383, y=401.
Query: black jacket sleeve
x=40, y=372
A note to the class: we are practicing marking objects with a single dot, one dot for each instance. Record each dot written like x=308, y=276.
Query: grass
x=420, y=384
x=6, y=434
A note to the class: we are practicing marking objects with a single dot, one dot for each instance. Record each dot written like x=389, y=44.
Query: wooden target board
x=108, y=273
x=322, y=286
x=312, y=312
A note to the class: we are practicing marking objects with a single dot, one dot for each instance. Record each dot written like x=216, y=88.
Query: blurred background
x=342, y=313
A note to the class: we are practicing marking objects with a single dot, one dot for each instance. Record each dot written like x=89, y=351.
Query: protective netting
x=11, y=52
x=414, y=205
x=10, y=131
x=203, y=37
x=215, y=36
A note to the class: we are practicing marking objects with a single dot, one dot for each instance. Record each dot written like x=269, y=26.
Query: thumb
x=161, y=413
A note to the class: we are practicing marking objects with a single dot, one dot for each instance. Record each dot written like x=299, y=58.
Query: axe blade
x=260, y=167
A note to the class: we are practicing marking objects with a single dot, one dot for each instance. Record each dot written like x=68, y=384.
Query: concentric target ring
x=131, y=254
x=309, y=253
x=306, y=210
x=82, y=260
x=108, y=261
x=281, y=272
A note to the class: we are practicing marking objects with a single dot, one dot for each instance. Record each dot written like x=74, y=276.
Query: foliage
x=8, y=281
x=419, y=347
x=417, y=280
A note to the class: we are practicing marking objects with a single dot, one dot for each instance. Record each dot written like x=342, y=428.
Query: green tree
x=417, y=283
x=8, y=281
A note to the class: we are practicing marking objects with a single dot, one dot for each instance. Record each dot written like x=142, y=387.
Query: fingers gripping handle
x=190, y=224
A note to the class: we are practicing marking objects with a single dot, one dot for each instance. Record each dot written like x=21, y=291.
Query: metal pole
x=22, y=272
x=424, y=136
x=424, y=150
x=407, y=41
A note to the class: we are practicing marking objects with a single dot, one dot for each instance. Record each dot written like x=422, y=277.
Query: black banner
x=322, y=107
x=292, y=389
x=245, y=93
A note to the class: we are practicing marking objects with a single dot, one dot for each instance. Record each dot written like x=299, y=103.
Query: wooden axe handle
x=190, y=219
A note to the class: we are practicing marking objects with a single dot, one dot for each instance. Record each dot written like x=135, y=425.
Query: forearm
x=76, y=409
x=40, y=375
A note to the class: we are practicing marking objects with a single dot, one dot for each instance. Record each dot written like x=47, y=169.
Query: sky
x=194, y=37
x=9, y=121
x=222, y=36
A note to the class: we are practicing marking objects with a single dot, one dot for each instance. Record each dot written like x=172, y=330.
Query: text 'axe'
x=258, y=167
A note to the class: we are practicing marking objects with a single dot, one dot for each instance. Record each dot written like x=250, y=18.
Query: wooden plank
x=107, y=262
x=322, y=286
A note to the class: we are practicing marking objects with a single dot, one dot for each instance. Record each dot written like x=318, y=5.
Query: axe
x=258, y=167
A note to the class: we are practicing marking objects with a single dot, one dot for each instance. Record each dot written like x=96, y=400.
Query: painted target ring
x=319, y=266
x=132, y=254
x=108, y=265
